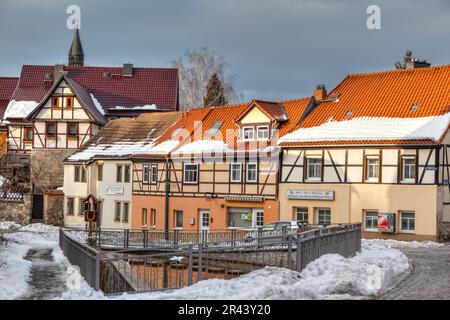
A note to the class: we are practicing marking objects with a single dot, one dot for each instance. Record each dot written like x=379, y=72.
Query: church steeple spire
x=76, y=54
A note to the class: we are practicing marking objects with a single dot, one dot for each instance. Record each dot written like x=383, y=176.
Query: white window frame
x=117, y=215
x=308, y=178
x=318, y=214
x=184, y=173
x=153, y=217
x=127, y=212
x=243, y=133
x=365, y=220
x=401, y=221
x=119, y=173
x=145, y=173
x=154, y=175
x=247, y=172
x=297, y=212
x=232, y=165
x=366, y=174
x=127, y=177
x=258, y=130
x=145, y=217
x=404, y=179
x=175, y=212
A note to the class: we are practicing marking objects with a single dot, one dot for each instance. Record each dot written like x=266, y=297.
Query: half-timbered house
x=373, y=150
x=102, y=168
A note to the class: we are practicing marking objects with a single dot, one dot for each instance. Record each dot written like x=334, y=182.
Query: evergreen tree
x=215, y=93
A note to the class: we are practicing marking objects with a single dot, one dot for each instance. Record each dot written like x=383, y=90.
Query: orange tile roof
x=385, y=94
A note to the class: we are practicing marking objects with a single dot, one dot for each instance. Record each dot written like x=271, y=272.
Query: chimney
x=414, y=63
x=128, y=69
x=58, y=69
x=320, y=92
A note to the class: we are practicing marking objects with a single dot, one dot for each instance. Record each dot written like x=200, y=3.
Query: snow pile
x=19, y=109
x=400, y=244
x=97, y=105
x=39, y=228
x=373, y=128
x=145, y=107
x=9, y=225
x=329, y=277
x=2, y=180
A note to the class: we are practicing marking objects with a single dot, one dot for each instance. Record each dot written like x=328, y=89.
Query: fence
x=115, y=272
x=11, y=194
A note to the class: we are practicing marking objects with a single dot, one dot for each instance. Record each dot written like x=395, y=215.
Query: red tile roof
x=147, y=86
x=389, y=94
x=7, y=87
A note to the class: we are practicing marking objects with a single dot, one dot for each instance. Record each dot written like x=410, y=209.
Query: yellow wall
x=255, y=116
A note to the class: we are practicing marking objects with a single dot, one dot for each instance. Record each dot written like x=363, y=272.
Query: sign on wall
x=386, y=222
x=114, y=190
x=310, y=195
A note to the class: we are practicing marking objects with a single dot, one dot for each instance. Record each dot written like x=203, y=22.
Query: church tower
x=76, y=54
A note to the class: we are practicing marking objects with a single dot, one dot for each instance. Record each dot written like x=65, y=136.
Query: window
x=178, y=219
x=214, y=129
x=408, y=222
x=100, y=172
x=55, y=103
x=259, y=218
x=144, y=217
x=126, y=209
x=117, y=212
x=252, y=172
x=324, y=217
x=119, y=169
x=81, y=206
x=240, y=217
x=127, y=173
x=70, y=206
x=69, y=102
x=28, y=134
x=153, y=222
x=408, y=168
x=371, y=219
x=72, y=130
x=145, y=173
x=204, y=216
x=154, y=177
x=50, y=129
x=301, y=214
x=236, y=170
x=190, y=173
x=314, y=168
x=263, y=133
x=80, y=174
x=248, y=133
x=372, y=168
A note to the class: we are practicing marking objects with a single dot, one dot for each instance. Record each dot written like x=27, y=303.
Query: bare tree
x=195, y=69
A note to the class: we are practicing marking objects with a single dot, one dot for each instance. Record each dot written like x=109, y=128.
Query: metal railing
x=122, y=271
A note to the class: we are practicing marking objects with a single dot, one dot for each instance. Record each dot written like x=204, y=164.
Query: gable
x=255, y=115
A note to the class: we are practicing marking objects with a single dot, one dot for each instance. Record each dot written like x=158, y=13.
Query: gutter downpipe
x=166, y=201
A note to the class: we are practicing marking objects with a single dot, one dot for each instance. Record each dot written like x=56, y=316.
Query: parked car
x=292, y=227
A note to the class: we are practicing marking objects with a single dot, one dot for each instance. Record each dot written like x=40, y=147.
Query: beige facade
x=353, y=184
x=114, y=195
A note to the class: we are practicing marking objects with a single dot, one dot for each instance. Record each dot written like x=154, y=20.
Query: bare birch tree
x=195, y=69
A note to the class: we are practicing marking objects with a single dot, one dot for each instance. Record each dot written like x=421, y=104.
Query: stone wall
x=47, y=169
x=444, y=231
x=53, y=208
x=19, y=212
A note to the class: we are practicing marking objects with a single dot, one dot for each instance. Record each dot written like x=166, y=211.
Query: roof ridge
x=295, y=99
x=371, y=73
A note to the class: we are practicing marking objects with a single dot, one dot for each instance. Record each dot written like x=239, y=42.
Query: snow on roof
x=203, y=146
x=373, y=128
x=97, y=105
x=19, y=109
x=146, y=107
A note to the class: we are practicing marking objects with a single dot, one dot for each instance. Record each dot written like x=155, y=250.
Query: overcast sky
x=279, y=49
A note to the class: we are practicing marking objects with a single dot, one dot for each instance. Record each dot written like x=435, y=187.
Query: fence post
x=346, y=242
x=318, y=243
x=233, y=237
x=190, y=266
x=289, y=262
x=97, y=271
x=298, y=260
x=259, y=235
x=175, y=237
x=99, y=239
x=200, y=262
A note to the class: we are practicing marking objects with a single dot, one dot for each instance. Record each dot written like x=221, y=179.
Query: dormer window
x=248, y=133
x=263, y=132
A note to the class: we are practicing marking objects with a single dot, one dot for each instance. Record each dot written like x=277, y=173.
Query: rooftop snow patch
x=203, y=146
x=146, y=107
x=97, y=105
x=373, y=128
x=19, y=109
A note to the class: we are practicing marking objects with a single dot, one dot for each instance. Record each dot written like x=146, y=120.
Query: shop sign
x=310, y=195
x=114, y=190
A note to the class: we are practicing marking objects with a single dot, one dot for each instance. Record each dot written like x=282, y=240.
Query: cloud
x=278, y=48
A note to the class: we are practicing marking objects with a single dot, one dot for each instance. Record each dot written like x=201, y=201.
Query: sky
x=277, y=49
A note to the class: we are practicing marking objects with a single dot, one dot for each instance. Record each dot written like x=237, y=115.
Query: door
x=38, y=207
x=204, y=219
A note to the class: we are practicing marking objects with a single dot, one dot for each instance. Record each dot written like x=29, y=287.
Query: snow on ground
x=8, y=225
x=373, y=128
x=331, y=276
